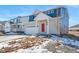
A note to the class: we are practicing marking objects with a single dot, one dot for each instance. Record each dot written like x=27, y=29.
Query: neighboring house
x=53, y=21
x=19, y=23
x=13, y=24
x=7, y=26
x=2, y=26
x=74, y=30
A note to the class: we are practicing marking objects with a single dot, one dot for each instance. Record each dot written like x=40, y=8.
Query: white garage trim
x=32, y=30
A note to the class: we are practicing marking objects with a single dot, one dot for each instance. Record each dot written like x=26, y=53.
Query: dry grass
x=22, y=43
x=57, y=44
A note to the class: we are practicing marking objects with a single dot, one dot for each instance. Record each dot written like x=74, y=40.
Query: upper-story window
x=12, y=21
x=52, y=11
x=63, y=12
x=49, y=12
x=31, y=18
x=59, y=12
x=18, y=26
x=18, y=20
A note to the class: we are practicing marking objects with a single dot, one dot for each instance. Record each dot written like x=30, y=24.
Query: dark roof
x=75, y=26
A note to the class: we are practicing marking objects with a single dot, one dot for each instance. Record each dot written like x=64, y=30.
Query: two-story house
x=52, y=21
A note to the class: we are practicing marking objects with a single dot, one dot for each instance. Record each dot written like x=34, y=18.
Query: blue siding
x=53, y=12
x=31, y=18
x=59, y=11
x=62, y=12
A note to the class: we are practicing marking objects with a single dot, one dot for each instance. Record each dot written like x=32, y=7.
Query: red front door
x=43, y=27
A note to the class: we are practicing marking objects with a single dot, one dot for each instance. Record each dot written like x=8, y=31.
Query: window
x=12, y=21
x=52, y=11
x=53, y=14
x=18, y=20
x=31, y=18
x=63, y=12
x=59, y=11
x=18, y=26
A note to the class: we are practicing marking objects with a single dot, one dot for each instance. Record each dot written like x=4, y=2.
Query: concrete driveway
x=9, y=37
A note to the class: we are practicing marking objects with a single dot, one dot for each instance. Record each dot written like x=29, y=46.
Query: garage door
x=31, y=30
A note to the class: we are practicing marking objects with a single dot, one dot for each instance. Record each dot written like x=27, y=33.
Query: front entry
x=43, y=27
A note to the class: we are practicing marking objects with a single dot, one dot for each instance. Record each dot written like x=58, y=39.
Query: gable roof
x=41, y=16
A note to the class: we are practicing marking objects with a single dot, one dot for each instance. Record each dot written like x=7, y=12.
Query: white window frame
x=52, y=11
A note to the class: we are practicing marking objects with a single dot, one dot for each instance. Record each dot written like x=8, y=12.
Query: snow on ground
x=34, y=49
x=20, y=43
x=47, y=47
x=67, y=41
